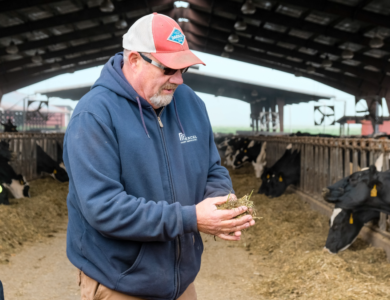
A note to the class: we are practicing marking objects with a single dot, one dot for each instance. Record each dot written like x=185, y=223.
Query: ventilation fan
x=324, y=115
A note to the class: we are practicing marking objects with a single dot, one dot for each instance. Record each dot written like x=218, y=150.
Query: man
x=145, y=174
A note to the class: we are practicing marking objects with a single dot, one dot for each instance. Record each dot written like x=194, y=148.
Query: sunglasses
x=167, y=71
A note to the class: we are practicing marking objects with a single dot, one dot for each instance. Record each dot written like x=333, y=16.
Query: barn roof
x=295, y=36
x=253, y=92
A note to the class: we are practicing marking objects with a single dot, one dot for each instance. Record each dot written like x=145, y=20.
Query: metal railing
x=24, y=147
x=324, y=161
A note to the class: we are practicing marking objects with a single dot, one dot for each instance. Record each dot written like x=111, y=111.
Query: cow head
x=18, y=187
x=260, y=162
x=239, y=158
x=365, y=189
x=345, y=226
x=60, y=174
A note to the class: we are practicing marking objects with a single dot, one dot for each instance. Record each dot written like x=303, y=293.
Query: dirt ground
x=280, y=258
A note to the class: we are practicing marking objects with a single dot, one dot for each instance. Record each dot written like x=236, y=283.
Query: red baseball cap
x=163, y=38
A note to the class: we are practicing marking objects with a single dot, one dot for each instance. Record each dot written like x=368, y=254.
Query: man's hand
x=220, y=222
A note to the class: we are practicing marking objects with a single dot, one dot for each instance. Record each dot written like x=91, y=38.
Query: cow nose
x=325, y=192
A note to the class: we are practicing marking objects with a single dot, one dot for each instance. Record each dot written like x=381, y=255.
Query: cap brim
x=178, y=60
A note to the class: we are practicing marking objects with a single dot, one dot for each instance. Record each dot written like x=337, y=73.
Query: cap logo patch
x=176, y=36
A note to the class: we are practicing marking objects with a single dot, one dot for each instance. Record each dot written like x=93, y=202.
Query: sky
x=225, y=111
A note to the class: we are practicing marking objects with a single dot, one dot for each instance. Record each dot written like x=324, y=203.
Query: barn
x=320, y=200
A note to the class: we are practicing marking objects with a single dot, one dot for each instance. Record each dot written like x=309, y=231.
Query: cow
x=232, y=146
x=60, y=160
x=3, y=196
x=47, y=165
x=15, y=183
x=9, y=127
x=255, y=153
x=344, y=227
x=364, y=190
x=284, y=172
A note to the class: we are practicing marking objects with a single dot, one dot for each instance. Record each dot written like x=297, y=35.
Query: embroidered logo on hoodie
x=184, y=139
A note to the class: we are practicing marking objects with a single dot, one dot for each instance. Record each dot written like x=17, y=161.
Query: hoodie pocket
x=153, y=273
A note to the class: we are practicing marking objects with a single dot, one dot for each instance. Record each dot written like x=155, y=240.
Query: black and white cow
x=344, y=228
x=284, y=172
x=364, y=190
x=9, y=127
x=15, y=183
x=232, y=146
x=47, y=165
x=255, y=154
x=60, y=160
x=3, y=197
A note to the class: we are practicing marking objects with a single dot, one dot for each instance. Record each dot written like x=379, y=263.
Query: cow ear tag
x=1, y=189
x=244, y=151
x=55, y=171
x=280, y=179
x=374, y=191
x=268, y=176
x=351, y=219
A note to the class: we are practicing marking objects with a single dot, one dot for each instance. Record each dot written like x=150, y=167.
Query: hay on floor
x=32, y=219
x=287, y=252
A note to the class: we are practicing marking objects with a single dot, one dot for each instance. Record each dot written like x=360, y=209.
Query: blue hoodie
x=134, y=185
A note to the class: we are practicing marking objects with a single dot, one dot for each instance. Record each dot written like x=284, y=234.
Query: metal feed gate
x=23, y=145
x=327, y=160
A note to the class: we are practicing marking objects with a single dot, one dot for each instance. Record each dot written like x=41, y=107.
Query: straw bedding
x=290, y=262
x=32, y=219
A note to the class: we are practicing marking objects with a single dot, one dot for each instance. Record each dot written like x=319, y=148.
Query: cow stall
x=325, y=161
x=24, y=147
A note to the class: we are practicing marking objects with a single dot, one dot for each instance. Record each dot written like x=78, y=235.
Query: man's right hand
x=220, y=222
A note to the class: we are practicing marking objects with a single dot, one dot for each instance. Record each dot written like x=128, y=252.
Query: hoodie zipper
x=178, y=256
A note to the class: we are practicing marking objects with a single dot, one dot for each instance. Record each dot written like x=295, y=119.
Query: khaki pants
x=93, y=290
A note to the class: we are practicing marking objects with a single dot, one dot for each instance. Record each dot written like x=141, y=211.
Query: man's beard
x=158, y=100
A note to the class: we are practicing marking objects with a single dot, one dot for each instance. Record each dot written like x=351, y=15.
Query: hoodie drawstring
x=177, y=116
x=142, y=116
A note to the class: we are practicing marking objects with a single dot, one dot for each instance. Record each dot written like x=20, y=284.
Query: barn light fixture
x=347, y=54
x=233, y=38
x=298, y=74
x=254, y=93
x=36, y=59
x=240, y=25
x=310, y=69
x=229, y=48
x=224, y=54
x=326, y=63
x=121, y=24
x=55, y=66
x=12, y=48
x=248, y=8
x=376, y=42
x=107, y=6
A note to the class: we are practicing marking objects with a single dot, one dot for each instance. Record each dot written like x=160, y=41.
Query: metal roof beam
x=264, y=15
x=374, y=77
x=10, y=5
x=344, y=79
x=75, y=35
x=13, y=77
x=257, y=61
x=342, y=11
x=12, y=86
x=82, y=15
x=60, y=53
x=220, y=24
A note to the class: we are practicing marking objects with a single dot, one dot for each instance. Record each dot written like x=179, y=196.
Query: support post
x=280, y=102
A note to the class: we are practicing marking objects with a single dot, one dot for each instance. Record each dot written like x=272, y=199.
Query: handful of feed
x=244, y=201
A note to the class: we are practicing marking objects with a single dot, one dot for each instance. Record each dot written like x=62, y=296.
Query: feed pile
x=286, y=252
x=32, y=219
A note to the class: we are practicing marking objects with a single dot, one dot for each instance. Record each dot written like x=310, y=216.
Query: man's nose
x=176, y=78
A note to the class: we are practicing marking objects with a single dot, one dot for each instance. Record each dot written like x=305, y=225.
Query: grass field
x=313, y=130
